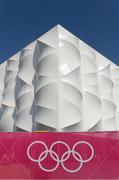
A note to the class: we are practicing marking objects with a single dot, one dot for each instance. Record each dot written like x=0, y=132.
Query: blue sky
x=94, y=21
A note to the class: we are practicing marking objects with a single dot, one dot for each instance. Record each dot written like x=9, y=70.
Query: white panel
x=61, y=84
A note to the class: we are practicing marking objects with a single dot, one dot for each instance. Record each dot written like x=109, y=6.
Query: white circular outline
x=83, y=142
x=48, y=170
x=56, y=157
x=36, y=142
x=60, y=142
x=74, y=170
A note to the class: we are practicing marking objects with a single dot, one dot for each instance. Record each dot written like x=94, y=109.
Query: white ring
x=48, y=170
x=75, y=170
x=83, y=142
x=36, y=142
x=60, y=142
x=56, y=158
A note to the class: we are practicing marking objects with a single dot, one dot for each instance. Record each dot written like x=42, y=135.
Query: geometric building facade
x=59, y=83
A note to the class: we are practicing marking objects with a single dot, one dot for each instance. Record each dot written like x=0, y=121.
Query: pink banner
x=59, y=155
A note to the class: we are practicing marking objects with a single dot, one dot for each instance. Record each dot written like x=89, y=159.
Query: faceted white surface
x=59, y=83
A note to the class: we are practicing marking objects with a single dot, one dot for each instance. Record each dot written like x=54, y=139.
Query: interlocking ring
x=48, y=170
x=74, y=170
x=60, y=142
x=83, y=142
x=37, y=142
x=60, y=161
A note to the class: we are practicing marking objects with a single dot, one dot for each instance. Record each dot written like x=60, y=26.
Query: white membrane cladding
x=59, y=83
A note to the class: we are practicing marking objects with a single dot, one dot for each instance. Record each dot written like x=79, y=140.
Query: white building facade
x=59, y=83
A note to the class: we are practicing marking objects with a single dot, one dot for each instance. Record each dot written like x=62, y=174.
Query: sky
x=96, y=22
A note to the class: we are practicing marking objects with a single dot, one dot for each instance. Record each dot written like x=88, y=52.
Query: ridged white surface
x=24, y=90
x=62, y=85
x=8, y=99
x=2, y=74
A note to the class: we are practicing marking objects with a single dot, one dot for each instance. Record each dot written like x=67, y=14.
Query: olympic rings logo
x=66, y=155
